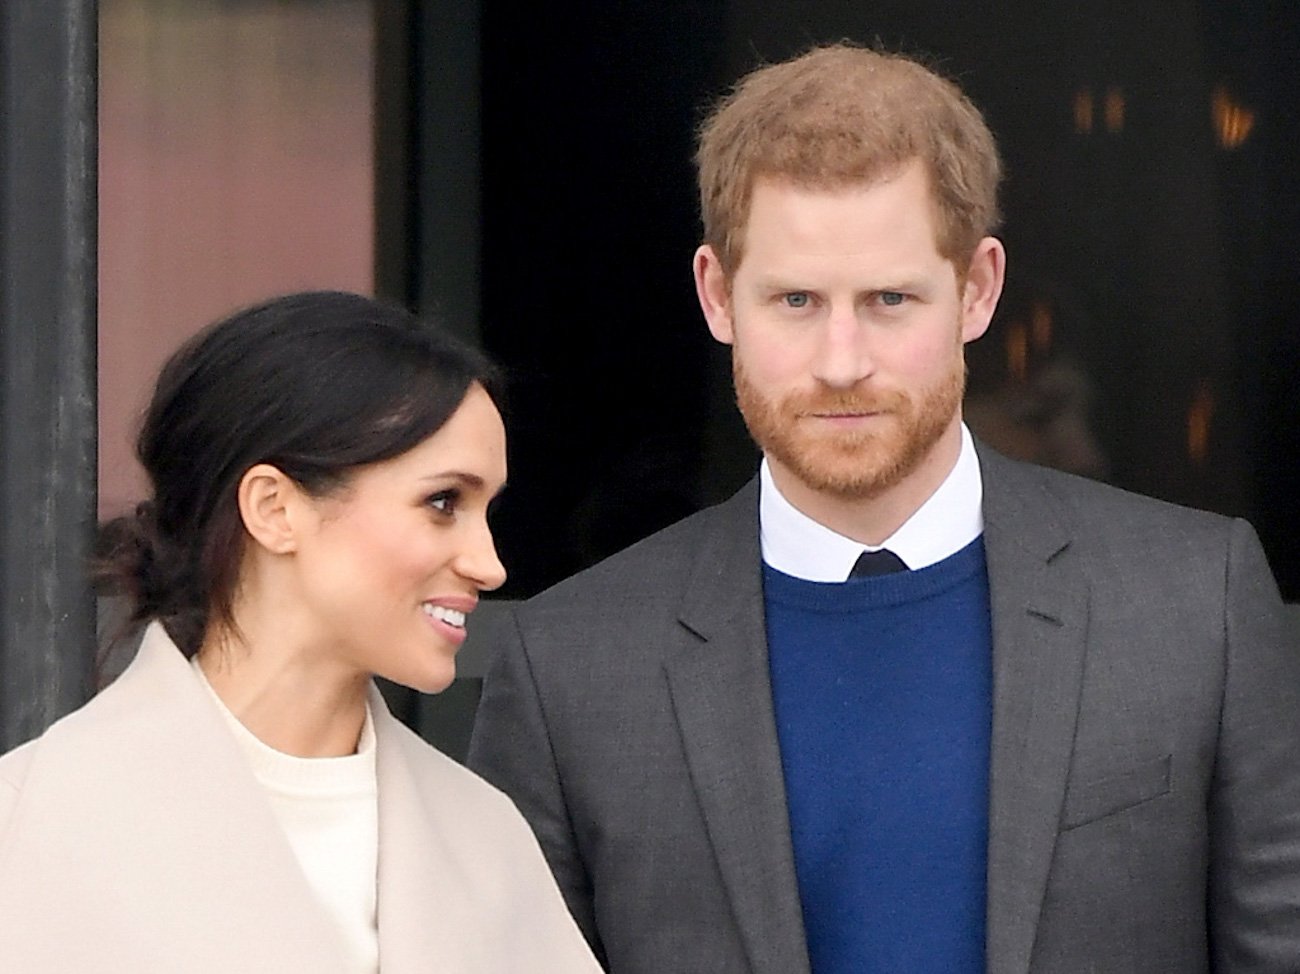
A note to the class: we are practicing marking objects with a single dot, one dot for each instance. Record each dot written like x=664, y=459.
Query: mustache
x=845, y=401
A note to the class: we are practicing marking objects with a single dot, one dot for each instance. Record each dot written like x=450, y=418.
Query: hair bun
x=135, y=560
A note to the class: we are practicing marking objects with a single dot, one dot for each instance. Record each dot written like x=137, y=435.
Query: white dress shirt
x=952, y=517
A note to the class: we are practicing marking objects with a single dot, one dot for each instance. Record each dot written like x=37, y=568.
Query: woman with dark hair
x=240, y=799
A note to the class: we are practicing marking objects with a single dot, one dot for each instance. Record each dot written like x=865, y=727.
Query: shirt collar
x=948, y=521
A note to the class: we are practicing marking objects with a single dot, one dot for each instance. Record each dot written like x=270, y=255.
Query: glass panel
x=236, y=162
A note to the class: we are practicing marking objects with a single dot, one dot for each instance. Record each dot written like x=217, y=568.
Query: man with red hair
x=901, y=704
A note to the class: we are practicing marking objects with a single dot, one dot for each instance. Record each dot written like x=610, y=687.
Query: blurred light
x=1199, y=415
x=1041, y=327
x=1083, y=111
x=1114, y=109
x=1018, y=351
x=1232, y=121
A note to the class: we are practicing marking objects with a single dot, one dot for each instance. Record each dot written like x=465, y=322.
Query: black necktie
x=880, y=562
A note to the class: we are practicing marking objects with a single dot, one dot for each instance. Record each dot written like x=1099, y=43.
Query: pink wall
x=235, y=163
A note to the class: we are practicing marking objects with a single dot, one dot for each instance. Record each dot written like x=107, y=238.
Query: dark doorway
x=1148, y=333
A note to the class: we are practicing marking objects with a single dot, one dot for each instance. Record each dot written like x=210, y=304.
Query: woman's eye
x=892, y=299
x=797, y=299
x=444, y=501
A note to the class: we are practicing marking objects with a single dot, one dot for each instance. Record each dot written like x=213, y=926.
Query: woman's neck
x=290, y=698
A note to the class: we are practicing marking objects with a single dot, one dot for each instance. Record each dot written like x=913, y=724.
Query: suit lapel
x=1039, y=602
x=722, y=696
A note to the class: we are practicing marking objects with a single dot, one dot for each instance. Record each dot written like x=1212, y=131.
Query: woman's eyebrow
x=467, y=479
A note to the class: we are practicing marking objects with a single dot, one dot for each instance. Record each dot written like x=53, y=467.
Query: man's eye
x=796, y=299
x=892, y=299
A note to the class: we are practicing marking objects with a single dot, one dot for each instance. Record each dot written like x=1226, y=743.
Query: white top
x=328, y=809
x=948, y=521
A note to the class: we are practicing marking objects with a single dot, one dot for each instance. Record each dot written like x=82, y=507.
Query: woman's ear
x=268, y=505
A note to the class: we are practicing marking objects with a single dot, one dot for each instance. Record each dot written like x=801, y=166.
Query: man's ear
x=715, y=297
x=268, y=503
x=982, y=288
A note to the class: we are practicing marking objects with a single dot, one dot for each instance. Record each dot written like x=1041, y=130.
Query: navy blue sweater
x=883, y=695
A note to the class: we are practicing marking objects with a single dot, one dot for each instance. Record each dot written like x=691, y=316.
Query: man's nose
x=843, y=356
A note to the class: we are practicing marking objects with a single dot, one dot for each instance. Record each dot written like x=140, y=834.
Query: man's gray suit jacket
x=1145, y=770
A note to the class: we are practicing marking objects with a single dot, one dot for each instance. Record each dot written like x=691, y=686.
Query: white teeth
x=449, y=616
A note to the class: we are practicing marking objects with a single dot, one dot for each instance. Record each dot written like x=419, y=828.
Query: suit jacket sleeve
x=511, y=748
x=1255, y=793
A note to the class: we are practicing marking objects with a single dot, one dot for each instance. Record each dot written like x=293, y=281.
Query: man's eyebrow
x=904, y=280
x=909, y=285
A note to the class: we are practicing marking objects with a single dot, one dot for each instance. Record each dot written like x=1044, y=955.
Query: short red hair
x=842, y=116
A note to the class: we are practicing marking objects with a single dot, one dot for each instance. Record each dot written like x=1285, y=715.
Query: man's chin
x=854, y=468
x=850, y=485
x=861, y=475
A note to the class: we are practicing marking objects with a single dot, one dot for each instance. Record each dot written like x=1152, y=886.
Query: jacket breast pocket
x=1087, y=801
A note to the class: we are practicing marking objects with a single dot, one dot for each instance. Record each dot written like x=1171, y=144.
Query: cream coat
x=134, y=838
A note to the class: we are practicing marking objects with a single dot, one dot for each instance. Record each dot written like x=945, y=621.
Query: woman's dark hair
x=316, y=384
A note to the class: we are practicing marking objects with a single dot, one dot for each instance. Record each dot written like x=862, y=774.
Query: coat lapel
x=722, y=696
x=1039, y=602
x=417, y=893
x=463, y=885
x=431, y=912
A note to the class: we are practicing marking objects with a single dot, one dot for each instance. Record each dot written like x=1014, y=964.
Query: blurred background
x=524, y=172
